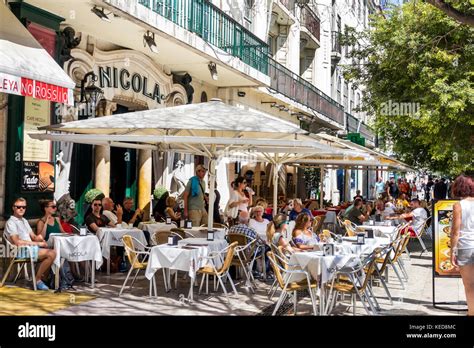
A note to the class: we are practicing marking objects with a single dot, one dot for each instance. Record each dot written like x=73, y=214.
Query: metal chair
x=244, y=255
x=222, y=272
x=318, y=223
x=20, y=256
x=350, y=228
x=132, y=255
x=284, y=276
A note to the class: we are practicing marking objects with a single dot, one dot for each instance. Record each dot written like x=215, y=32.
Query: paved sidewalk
x=415, y=300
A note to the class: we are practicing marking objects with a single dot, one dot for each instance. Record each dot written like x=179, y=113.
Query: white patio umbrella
x=211, y=129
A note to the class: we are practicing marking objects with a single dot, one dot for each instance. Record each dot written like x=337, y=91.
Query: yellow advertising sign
x=441, y=224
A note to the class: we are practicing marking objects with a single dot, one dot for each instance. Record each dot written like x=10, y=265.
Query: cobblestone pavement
x=415, y=300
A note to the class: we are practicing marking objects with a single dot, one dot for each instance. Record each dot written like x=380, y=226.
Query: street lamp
x=90, y=94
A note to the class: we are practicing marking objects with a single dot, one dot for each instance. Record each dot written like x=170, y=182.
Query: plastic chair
x=20, y=262
x=222, y=272
x=283, y=277
x=132, y=256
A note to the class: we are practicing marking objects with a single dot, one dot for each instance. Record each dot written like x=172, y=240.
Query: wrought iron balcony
x=336, y=45
x=214, y=26
x=298, y=89
x=310, y=20
x=354, y=127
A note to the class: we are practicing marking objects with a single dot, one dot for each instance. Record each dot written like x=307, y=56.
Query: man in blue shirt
x=298, y=209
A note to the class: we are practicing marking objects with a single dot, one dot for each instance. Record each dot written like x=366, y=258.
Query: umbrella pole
x=212, y=194
x=276, y=169
x=321, y=198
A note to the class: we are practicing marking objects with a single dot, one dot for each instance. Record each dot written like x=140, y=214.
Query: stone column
x=102, y=153
x=144, y=180
x=347, y=184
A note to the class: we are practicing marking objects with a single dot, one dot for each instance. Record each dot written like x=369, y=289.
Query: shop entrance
x=123, y=170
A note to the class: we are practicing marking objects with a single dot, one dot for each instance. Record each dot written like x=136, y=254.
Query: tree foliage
x=417, y=56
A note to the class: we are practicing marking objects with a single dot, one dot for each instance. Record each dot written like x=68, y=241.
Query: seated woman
x=48, y=223
x=275, y=230
x=96, y=219
x=169, y=211
x=303, y=237
x=258, y=222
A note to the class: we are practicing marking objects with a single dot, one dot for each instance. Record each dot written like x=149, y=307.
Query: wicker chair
x=161, y=237
x=283, y=277
x=132, y=253
x=245, y=254
x=318, y=223
x=222, y=272
x=350, y=228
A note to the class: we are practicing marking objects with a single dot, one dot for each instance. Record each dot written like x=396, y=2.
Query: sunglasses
x=52, y=206
x=20, y=206
x=97, y=205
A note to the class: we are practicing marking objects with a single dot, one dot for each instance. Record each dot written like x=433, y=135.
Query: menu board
x=37, y=114
x=442, y=222
x=37, y=177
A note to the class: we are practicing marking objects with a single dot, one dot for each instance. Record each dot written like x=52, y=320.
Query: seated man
x=19, y=233
x=96, y=219
x=243, y=228
x=354, y=212
x=109, y=205
x=298, y=208
x=418, y=215
x=130, y=216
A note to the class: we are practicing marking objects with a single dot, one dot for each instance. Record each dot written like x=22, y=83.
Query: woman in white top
x=258, y=223
x=462, y=235
x=238, y=198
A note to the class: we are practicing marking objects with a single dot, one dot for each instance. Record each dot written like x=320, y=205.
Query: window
x=338, y=86
x=346, y=92
x=248, y=16
x=272, y=44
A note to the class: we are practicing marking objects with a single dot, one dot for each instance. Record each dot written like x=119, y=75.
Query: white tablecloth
x=158, y=226
x=206, y=247
x=379, y=231
x=75, y=248
x=174, y=258
x=201, y=232
x=111, y=237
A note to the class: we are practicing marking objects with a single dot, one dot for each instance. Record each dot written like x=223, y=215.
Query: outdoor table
x=109, y=237
x=75, y=248
x=379, y=231
x=155, y=226
x=206, y=247
x=201, y=232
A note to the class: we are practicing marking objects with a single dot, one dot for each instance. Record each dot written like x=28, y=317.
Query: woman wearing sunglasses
x=49, y=223
x=96, y=219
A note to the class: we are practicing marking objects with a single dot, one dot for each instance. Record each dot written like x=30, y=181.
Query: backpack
x=66, y=279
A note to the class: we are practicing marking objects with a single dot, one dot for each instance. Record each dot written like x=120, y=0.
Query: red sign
x=36, y=89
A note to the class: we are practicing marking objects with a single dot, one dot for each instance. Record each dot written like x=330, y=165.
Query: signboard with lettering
x=37, y=114
x=37, y=177
x=442, y=224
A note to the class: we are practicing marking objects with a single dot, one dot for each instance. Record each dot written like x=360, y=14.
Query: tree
x=462, y=11
x=418, y=72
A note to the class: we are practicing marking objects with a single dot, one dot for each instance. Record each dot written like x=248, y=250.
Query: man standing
x=440, y=189
x=194, y=198
x=19, y=233
x=393, y=188
x=379, y=188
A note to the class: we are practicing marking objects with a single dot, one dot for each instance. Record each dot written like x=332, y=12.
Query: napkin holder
x=182, y=223
x=328, y=249
x=83, y=231
x=370, y=234
x=172, y=239
x=168, y=220
x=189, y=224
x=361, y=238
x=210, y=235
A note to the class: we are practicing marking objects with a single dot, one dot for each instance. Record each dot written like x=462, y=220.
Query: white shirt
x=259, y=227
x=419, y=218
x=466, y=235
x=235, y=197
x=111, y=216
x=389, y=208
x=19, y=227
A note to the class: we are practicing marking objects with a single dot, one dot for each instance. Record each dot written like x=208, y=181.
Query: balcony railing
x=214, y=26
x=311, y=21
x=336, y=44
x=364, y=130
x=295, y=87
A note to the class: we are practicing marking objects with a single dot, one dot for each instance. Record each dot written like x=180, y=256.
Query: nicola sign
x=31, y=88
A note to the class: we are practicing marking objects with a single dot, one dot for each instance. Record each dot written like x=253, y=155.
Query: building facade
x=281, y=57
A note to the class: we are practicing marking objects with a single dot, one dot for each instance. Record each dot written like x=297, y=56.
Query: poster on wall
x=442, y=222
x=37, y=114
x=37, y=177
